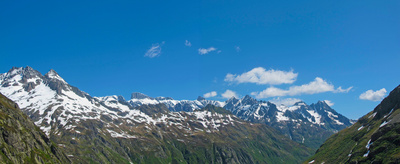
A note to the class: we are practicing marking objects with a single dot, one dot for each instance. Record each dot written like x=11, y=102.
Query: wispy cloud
x=319, y=85
x=261, y=76
x=188, y=44
x=285, y=101
x=341, y=90
x=330, y=103
x=154, y=51
x=237, y=48
x=210, y=94
x=229, y=94
x=373, y=95
x=203, y=51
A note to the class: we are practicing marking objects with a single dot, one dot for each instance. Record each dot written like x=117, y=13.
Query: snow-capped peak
x=137, y=95
x=52, y=74
x=200, y=98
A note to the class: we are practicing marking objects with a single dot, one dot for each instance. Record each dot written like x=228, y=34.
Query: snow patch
x=372, y=115
x=316, y=116
x=383, y=124
x=115, y=134
x=280, y=117
x=366, y=154
x=369, y=144
x=361, y=127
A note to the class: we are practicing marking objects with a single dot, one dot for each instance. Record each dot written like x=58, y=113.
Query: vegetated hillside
x=21, y=141
x=109, y=130
x=209, y=135
x=374, y=138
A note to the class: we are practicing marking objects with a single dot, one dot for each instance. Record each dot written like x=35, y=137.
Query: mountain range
x=107, y=129
x=308, y=124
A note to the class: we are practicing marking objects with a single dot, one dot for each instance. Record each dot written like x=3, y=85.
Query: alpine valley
x=163, y=130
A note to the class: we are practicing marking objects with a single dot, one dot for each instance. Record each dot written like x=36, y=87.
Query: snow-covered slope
x=52, y=102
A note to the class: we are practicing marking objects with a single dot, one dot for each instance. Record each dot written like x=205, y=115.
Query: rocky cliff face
x=21, y=141
x=374, y=138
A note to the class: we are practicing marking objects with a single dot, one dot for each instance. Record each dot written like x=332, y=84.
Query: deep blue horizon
x=267, y=49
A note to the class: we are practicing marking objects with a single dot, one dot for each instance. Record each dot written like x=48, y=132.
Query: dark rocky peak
x=164, y=98
x=25, y=74
x=137, y=95
x=248, y=100
x=200, y=98
x=52, y=72
x=232, y=99
x=121, y=98
x=29, y=72
x=57, y=83
x=388, y=104
x=321, y=105
x=15, y=71
x=230, y=103
x=300, y=103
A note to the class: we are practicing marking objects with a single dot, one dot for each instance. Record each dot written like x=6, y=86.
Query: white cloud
x=261, y=76
x=210, y=94
x=340, y=90
x=319, y=85
x=270, y=92
x=373, y=95
x=285, y=101
x=188, y=44
x=229, y=94
x=330, y=103
x=203, y=51
x=237, y=48
x=154, y=51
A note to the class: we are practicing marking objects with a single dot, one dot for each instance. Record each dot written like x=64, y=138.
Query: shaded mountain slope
x=374, y=138
x=21, y=141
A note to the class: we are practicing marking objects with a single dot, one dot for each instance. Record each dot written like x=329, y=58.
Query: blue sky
x=115, y=48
